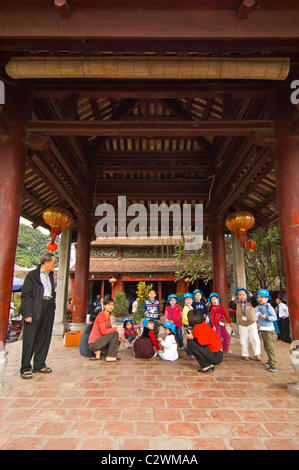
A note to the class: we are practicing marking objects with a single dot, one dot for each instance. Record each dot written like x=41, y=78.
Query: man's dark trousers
x=37, y=338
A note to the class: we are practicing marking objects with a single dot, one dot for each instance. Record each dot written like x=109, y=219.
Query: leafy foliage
x=142, y=294
x=121, y=306
x=31, y=245
x=199, y=264
x=264, y=266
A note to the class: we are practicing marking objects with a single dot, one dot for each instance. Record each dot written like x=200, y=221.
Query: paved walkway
x=148, y=405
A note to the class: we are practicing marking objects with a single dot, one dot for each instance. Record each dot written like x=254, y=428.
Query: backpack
x=143, y=348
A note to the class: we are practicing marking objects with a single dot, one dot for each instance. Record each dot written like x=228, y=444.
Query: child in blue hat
x=129, y=333
x=198, y=304
x=173, y=313
x=170, y=352
x=266, y=317
x=188, y=300
x=243, y=302
x=218, y=314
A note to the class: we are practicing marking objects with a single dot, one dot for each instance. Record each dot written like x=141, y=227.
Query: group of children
x=251, y=321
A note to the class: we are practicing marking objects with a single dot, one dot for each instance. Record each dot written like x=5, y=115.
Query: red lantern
x=51, y=246
x=57, y=218
x=112, y=281
x=240, y=222
x=250, y=245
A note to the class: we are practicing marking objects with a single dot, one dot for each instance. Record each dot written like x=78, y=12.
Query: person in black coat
x=37, y=309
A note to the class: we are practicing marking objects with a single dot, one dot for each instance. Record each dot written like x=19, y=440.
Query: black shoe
x=208, y=369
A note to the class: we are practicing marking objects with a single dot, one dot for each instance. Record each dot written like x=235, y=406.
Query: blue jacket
x=201, y=306
x=153, y=309
x=267, y=323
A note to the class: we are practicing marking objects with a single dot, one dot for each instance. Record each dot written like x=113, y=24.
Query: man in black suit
x=37, y=309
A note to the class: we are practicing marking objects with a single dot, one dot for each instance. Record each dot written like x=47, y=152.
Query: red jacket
x=206, y=336
x=174, y=314
x=217, y=314
x=100, y=327
x=154, y=341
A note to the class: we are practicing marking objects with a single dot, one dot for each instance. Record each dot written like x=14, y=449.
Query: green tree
x=265, y=264
x=199, y=264
x=31, y=245
x=195, y=264
x=121, y=306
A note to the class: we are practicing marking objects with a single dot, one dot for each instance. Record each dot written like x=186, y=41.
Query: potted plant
x=142, y=294
x=121, y=306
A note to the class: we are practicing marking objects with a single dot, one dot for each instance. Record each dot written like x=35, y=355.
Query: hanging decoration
x=57, y=218
x=239, y=222
x=51, y=246
x=250, y=245
x=112, y=281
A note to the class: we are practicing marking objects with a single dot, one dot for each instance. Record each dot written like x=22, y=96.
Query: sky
x=27, y=222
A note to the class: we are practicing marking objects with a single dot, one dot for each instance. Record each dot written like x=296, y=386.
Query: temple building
x=192, y=102
x=126, y=262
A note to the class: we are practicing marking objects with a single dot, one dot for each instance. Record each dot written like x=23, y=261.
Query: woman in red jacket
x=205, y=346
x=103, y=339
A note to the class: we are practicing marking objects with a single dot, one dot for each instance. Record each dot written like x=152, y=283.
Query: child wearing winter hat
x=244, y=303
x=266, y=317
x=170, y=352
x=217, y=320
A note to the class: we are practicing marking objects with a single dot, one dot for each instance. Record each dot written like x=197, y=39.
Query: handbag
x=143, y=348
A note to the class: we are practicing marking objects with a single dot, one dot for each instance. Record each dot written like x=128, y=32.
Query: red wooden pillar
x=286, y=162
x=102, y=288
x=219, y=262
x=12, y=168
x=159, y=291
x=82, y=267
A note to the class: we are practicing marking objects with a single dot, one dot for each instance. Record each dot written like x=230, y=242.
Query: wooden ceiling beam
x=129, y=161
x=63, y=151
x=70, y=113
x=155, y=89
x=152, y=129
x=260, y=177
x=193, y=156
x=47, y=173
x=153, y=189
x=245, y=7
x=33, y=199
x=249, y=176
x=169, y=23
x=152, y=169
x=269, y=200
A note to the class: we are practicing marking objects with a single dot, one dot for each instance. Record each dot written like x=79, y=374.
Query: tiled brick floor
x=149, y=405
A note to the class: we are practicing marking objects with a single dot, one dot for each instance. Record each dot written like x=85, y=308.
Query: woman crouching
x=205, y=346
x=103, y=339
